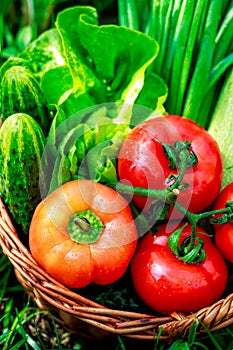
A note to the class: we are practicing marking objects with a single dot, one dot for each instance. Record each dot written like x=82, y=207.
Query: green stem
x=193, y=220
x=180, y=155
x=131, y=8
x=144, y=9
x=224, y=36
x=163, y=9
x=160, y=59
x=220, y=69
x=208, y=214
x=189, y=252
x=187, y=158
x=151, y=26
x=165, y=194
x=128, y=14
x=122, y=14
x=199, y=82
x=185, y=71
x=181, y=36
x=171, y=44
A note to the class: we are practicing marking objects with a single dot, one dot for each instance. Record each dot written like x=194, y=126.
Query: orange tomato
x=77, y=264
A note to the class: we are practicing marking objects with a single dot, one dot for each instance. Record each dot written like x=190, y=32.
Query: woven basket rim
x=48, y=292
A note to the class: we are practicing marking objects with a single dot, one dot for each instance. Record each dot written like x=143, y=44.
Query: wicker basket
x=89, y=319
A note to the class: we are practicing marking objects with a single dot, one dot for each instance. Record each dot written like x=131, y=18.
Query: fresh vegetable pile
x=100, y=179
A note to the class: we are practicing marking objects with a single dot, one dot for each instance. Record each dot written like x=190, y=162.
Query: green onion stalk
x=196, y=49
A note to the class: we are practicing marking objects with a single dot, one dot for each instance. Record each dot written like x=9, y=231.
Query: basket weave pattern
x=87, y=318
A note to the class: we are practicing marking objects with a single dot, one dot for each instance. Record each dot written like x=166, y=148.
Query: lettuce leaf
x=96, y=92
x=85, y=150
x=45, y=52
x=107, y=62
x=104, y=63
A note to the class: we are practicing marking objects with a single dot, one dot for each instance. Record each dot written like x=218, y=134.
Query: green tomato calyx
x=177, y=152
x=85, y=227
x=190, y=250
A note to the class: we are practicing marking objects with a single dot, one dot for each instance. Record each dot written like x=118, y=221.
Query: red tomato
x=168, y=284
x=143, y=163
x=224, y=232
x=78, y=264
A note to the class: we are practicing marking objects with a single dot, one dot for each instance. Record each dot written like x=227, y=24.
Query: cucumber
x=21, y=93
x=21, y=142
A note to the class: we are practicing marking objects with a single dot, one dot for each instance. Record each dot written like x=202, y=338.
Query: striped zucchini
x=21, y=93
x=21, y=142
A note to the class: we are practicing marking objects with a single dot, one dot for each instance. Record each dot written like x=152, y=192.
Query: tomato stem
x=187, y=158
x=180, y=154
x=85, y=227
x=169, y=194
x=228, y=211
x=191, y=250
x=188, y=251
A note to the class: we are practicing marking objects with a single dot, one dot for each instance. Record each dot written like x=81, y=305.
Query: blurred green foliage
x=21, y=21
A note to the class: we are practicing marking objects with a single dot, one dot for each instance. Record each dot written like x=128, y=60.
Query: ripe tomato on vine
x=150, y=157
x=166, y=283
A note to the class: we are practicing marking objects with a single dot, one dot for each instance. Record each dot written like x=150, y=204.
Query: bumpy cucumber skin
x=21, y=93
x=22, y=143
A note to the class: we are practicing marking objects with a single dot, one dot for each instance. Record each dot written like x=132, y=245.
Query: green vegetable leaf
x=92, y=66
x=84, y=150
x=45, y=52
x=51, y=85
x=108, y=62
x=154, y=92
x=153, y=95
